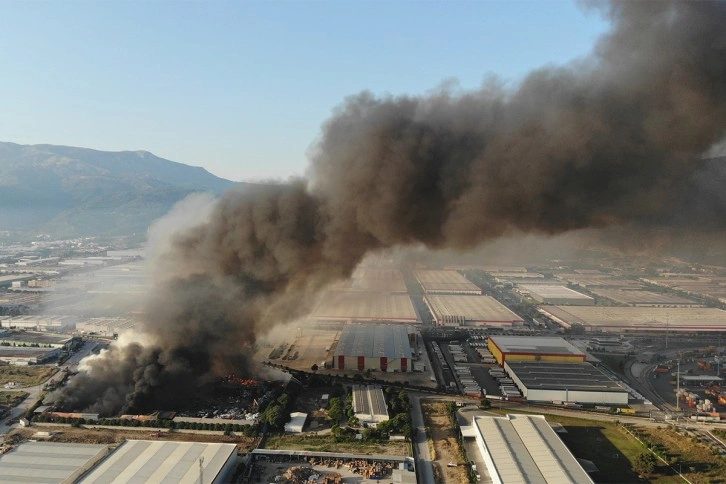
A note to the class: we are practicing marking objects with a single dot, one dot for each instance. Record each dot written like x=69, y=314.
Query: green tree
x=275, y=416
x=645, y=463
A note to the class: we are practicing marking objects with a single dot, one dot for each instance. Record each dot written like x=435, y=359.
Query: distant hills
x=66, y=191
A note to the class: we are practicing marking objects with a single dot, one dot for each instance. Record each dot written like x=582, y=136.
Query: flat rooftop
x=554, y=291
x=473, y=308
x=634, y=296
x=597, y=280
x=524, y=448
x=161, y=461
x=445, y=282
x=48, y=462
x=374, y=341
x=638, y=318
x=549, y=345
x=36, y=337
x=374, y=280
x=24, y=351
x=541, y=375
x=364, y=306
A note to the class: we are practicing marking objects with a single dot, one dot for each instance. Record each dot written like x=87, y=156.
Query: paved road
x=424, y=468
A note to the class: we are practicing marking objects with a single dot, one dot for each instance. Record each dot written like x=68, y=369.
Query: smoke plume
x=612, y=139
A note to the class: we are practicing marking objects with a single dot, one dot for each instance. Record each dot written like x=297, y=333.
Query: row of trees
x=250, y=430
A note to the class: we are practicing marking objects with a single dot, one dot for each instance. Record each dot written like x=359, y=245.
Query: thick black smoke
x=611, y=139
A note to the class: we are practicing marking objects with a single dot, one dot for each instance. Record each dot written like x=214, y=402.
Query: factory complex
x=445, y=282
x=565, y=382
x=471, y=311
x=523, y=348
x=378, y=347
x=524, y=448
x=551, y=294
x=633, y=319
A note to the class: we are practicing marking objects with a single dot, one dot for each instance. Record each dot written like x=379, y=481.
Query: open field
x=326, y=443
x=11, y=399
x=697, y=462
x=26, y=376
x=446, y=443
x=300, y=349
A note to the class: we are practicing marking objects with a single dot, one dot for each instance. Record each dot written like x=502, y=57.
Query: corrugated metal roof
x=47, y=462
x=525, y=449
x=535, y=344
x=560, y=376
x=374, y=341
x=162, y=462
x=369, y=400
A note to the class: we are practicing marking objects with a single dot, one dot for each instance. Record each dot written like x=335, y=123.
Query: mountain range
x=66, y=191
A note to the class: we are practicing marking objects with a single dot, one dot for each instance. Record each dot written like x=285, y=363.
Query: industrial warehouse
x=158, y=461
x=565, y=382
x=49, y=462
x=524, y=348
x=636, y=319
x=369, y=404
x=364, y=306
x=524, y=448
x=634, y=297
x=375, y=347
x=445, y=282
x=471, y=311
x=549, y=294
x=374, y=280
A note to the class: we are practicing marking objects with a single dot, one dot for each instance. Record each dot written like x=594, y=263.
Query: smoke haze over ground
x=614, y=139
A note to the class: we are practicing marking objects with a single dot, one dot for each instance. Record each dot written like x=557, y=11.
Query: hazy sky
x=242, y=87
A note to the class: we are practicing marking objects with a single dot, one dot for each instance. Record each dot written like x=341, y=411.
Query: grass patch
x=26, y=376
x=326, y=443
x=11, y=399
x=699, y=463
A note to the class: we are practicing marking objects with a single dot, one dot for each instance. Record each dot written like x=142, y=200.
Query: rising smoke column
x=611, y=139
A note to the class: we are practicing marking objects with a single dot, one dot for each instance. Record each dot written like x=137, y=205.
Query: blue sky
x=243, y=87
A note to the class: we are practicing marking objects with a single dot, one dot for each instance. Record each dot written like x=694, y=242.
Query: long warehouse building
x=539, y=348
x=377, y=347
x=471, y=311
x=524, y=448
x=553, y=294
x=446, y=282
x=364, y=306
x=565, y=382
x=637, y=319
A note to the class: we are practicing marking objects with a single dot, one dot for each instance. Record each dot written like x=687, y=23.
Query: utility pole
x=666, y=331
x=678, y=387
x=201, y=470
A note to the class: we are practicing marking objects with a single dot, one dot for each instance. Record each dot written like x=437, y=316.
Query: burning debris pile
x=607, y=140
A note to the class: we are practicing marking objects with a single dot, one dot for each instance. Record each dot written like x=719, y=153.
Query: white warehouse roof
x=554, y=292
x=524, y=448
x=163, y=462
x=48, y=462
